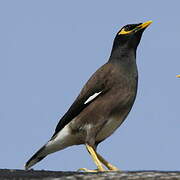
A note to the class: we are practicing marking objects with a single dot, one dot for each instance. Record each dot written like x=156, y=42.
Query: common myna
x=103, y=103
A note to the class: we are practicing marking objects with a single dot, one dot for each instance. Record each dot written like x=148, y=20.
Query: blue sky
x=48, y=51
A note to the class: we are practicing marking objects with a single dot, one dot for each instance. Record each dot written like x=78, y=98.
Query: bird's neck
x=126, y=59
x=123, y=54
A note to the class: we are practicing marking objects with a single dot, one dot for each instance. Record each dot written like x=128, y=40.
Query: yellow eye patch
x=125, y=32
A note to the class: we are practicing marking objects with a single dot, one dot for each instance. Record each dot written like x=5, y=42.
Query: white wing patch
x=92, y=97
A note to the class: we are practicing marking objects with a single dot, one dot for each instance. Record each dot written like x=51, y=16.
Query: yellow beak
x=178, y=76
x=144, y=25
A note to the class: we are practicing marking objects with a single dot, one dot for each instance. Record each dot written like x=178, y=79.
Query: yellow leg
x=93, y=154
x=106, y=163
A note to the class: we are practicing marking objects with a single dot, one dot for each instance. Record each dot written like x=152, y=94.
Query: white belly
x=112, y=124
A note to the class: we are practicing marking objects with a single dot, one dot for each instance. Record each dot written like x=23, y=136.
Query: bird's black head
x=130, y=35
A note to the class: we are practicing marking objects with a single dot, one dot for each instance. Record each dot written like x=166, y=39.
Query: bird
x=103, y=103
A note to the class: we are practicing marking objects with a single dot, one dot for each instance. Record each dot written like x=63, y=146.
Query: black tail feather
x=35, y=158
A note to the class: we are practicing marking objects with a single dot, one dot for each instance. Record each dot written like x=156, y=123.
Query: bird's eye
x=129, y=27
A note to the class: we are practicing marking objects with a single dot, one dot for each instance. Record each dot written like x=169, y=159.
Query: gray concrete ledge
x=8, y=174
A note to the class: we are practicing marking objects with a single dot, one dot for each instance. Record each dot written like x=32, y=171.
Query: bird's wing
x=94, y=87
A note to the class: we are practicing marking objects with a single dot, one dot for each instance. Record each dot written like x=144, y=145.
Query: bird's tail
x=38, y=156
x=56, y=143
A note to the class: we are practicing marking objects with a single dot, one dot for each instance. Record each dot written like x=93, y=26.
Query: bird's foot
x=99, y=170
x=90, y=170
x=113, y=168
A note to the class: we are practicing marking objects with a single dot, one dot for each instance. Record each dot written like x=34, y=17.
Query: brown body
x=99, y=119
